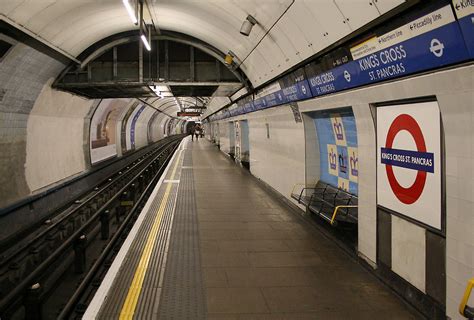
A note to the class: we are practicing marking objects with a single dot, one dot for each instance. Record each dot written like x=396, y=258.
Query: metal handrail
x=301, y=192
x=294, y=186
x=336, y=209
x=464, y=309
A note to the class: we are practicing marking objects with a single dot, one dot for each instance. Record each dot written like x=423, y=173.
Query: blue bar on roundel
x=415, y=160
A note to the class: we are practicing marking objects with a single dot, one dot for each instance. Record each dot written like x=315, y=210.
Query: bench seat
x=330, y=203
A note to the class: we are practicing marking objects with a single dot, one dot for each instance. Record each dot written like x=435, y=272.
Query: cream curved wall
x=55, y=137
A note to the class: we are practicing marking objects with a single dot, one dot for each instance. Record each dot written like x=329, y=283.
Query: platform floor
x=236, y=252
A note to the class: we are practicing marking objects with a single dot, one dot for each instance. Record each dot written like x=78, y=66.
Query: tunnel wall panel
x=104, y=136
x=54, y=149
x=155, y=131
x=23, y=73
x=159, y=127
x=141, y=128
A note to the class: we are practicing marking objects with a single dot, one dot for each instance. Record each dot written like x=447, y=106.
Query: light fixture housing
x=229, y=58
x=145, y=42
x=129, y=8
x=247, y=25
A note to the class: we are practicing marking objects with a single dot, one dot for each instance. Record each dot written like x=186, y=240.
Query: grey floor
x=259, y=261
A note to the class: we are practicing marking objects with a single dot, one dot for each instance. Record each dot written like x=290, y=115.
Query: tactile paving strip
x=183, y=295
x=149, y=295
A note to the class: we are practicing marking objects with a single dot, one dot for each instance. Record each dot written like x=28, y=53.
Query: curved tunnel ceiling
x=171, y=105
x=296, y=29
x=288, y=31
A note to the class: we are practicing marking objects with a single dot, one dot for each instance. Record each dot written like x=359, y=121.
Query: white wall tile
x=409, y=251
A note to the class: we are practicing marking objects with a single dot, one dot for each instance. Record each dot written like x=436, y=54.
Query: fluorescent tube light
x=130, y=11
x=145, y=42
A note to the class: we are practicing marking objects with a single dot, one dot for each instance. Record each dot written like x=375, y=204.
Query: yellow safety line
x=130, y=304
x=465, y=298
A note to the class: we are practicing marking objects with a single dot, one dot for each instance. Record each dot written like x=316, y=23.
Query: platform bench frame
x=330, y=203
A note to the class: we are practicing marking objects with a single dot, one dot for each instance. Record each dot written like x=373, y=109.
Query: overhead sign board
x=188, y=114
x=464, y=10
x=432, y=40
x=409, y=161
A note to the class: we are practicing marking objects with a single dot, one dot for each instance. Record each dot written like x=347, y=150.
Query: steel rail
x=38, y=272
x=88, y=278
x=87, y=201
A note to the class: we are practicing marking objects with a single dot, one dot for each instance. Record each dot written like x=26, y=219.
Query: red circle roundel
x=411, y=194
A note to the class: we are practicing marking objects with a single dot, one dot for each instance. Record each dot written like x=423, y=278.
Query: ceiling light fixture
x=229, y=58
x=247, y=25
x=145, y=42
x=127, y=5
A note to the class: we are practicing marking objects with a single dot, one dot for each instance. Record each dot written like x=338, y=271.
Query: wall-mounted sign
x=465, y=13
x=409, y=161
x=432, y=40
x=188, y=114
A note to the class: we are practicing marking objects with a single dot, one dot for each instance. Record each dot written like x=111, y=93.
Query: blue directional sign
x=434, y=40
x=464, y=10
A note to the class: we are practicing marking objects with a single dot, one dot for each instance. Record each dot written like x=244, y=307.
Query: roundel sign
x=408, y=161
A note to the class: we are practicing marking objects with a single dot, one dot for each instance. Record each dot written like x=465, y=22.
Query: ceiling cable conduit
x=157, y=109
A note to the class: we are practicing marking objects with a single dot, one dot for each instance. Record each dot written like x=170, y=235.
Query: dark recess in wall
x=4, y=47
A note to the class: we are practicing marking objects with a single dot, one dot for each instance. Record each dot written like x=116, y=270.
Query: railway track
x=46, y=273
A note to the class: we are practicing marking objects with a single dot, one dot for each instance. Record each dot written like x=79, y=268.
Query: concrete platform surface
x=260, y=261
x=215, y=244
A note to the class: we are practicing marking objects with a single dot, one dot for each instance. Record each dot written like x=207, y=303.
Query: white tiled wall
x=56, y=137
x=409, y=252
x=279, y=161
x=224, y=136
x=282, y=153
x=457, y=109
x=454, y=91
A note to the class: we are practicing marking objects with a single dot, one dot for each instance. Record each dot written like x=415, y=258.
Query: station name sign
x=433, y=40
x=189, y=114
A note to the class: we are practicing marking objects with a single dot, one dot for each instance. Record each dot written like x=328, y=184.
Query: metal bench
x=332, y=204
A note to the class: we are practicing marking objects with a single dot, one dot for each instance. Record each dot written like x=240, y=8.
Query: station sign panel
x=464, y=10
x=409, y=161
x=188, y=114
x=431, y=40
